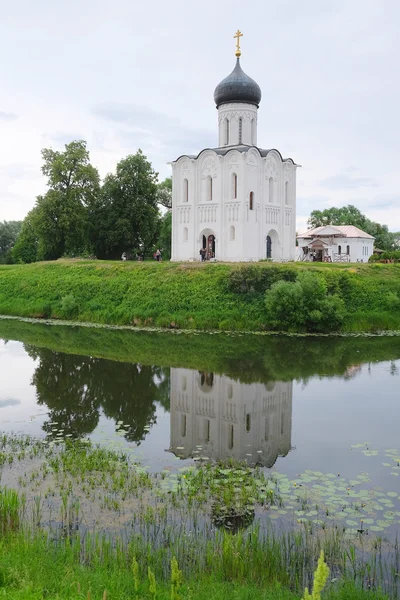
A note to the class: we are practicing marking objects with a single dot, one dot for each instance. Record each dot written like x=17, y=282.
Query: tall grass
x=202, y=297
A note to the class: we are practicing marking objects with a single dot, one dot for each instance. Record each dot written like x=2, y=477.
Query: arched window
x=348, y=250
x=251, y=201
x=286, y=192
x=185, y=190
x=185, y=234
x=234, y=185
x=271, y=189
x=230, y=391
x=226, y=132
x=232, y=233
x=209, y=188
x=240, y=129
x=339, y=249
x=253, y=131
x=207, y=424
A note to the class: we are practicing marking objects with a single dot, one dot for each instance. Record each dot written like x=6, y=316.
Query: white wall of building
x=358, y=249
x=240, y=232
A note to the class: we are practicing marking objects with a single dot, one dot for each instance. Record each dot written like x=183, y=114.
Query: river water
x=308, y=407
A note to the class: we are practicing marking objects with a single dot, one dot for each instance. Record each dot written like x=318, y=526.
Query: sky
x=124, y=75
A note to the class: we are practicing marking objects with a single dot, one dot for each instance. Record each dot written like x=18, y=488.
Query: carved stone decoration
x=209, y=167
x=271, y=168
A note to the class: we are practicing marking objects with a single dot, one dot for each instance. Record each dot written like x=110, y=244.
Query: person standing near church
x=158, y=255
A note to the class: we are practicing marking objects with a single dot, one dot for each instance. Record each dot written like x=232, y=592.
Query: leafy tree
x=350, y=215
x=126, y=214
x=164, y=193
x=9, y=231
x=304, y=305
x=25, y=249
x=59, y=222
x=164, y=240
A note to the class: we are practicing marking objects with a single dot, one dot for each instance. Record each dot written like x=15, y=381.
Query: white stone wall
x=273, y=184
x=229, y=419
x=230, y=132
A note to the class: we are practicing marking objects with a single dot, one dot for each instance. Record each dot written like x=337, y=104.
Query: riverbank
x=226, y=297
x=83, y=521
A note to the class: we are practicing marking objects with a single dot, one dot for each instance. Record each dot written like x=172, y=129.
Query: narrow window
x=209, y=188
x=183, y=425
x=185, y=234
x=348, y=250
x=226, y=132
x=230, y=437
x=185, y=190
x=231, y=233
x=184, y=383
x=230, y=391
x=253, y=131
x=234, y=186
x=240, y=130
x=271, y=189
x=251, y=203
x=248, y=422
x=282, y=423
x=339, y=250
x=286, y=192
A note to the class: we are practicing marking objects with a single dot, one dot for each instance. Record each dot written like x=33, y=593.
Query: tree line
x=130, y=211
x=80, y=216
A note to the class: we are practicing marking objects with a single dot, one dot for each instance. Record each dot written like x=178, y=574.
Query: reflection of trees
x=75, y=388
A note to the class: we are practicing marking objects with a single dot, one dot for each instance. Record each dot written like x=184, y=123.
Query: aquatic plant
x=320, y=578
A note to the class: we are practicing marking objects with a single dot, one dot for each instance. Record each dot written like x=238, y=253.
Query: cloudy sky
x=125, y=75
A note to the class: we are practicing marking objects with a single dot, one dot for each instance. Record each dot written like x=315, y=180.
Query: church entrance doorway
x=272, y=245
x=269, y=246
x=207, y=249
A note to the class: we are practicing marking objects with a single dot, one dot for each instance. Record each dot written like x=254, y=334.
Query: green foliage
x=304, y=305
x=164, y=193
x=350, y=215
x=250, y=279
x=176, y=579
x=9, y=231
x=69, y=306
x=320, y=578
x=125, y=216
x=198, y=296
x=164, y=240
x=59, y=222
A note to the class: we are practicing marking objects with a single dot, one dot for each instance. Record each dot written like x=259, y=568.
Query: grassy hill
x=189, y=296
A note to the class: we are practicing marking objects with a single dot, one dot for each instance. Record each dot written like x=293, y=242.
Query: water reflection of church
x=229, y=419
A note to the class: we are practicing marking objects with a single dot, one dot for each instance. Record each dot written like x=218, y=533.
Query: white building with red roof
x=335, y=243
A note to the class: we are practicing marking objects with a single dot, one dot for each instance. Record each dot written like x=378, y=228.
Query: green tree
x=164, y=240
x=350, y=215
x=25, y=249
x=164, y=193
x=59, y=222
x=126, y=216
x=9, y=231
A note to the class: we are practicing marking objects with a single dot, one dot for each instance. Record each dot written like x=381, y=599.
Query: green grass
x=188, y=296
x=33, y=568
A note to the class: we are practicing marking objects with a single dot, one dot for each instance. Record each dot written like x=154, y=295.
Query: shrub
x=304, y=305
x=69, y=306
x=255, y=279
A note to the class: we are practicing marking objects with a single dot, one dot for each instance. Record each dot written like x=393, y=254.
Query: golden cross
x=237, y=37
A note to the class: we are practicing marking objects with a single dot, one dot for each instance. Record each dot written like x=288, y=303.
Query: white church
x=236, y=202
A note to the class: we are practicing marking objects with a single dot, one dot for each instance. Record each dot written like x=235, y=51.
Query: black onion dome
x=237, y=87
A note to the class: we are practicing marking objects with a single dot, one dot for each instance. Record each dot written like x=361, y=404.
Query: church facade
x=235, y=202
